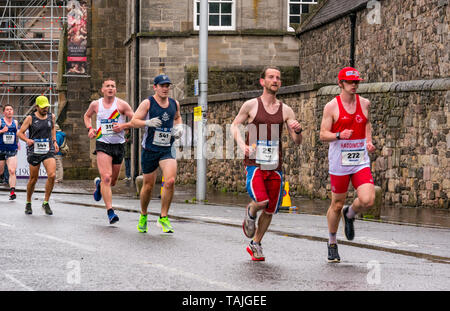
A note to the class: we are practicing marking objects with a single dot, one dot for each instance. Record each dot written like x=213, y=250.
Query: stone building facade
x=393, y=40
x=168, y=43
x=106, y=59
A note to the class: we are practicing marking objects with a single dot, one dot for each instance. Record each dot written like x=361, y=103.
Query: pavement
x=421, y=240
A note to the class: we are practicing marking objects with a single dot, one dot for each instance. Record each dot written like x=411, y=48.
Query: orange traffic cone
x=286, y=204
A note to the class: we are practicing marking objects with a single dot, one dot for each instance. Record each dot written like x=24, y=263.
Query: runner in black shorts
x=41, y=148
x=111, y=122
x=8, y=147
x=115, y=151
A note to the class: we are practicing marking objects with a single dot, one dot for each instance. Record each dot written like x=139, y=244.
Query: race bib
x=352, y=157
x=162, y=137
x=9, y=138
x=41, y=146
x=107, y=126
x=267, y=152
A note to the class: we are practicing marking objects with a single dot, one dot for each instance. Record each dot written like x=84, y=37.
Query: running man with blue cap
x=41, y=148
x=160, y=115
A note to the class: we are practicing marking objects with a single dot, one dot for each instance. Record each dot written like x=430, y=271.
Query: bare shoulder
x=249, y=104
x=93, y=106
x=122, y=104
x=145, y=103
x=288, y=112
x=27, y=121
x=364, y=101
x=331, y=105
x=178, y=103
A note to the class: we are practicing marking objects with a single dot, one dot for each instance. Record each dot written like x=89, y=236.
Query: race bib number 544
x=162, y=137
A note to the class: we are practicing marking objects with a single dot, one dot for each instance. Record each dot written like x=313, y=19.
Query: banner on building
x=76, y=36
x=23, y=168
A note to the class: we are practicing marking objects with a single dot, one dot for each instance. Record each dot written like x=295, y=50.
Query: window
x=221, y=14
x=295, y=10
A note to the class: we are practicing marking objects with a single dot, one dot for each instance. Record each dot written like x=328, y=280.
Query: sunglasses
x=351, y=81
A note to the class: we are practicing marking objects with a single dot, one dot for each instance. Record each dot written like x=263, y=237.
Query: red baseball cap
x=349, y=74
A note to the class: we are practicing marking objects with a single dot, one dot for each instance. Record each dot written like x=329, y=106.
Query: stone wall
x=410, y=43
x=410, y=130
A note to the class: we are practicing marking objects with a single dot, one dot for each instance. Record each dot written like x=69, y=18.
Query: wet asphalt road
x=76, y=249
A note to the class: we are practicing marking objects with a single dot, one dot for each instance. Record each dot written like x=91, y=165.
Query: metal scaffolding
x=29, y=44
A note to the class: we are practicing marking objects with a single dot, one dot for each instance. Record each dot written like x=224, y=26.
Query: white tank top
x=105, y=120
x=347, y=157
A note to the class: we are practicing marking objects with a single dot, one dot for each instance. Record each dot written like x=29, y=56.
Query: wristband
x=301, y=130
x=338, y=135
x=90, y=127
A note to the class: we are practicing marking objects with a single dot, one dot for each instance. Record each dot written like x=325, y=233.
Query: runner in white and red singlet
x=346, y=126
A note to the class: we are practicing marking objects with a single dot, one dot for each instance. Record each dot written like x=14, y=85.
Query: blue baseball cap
x=161, y=79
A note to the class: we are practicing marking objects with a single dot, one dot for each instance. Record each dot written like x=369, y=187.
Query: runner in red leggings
x=346, y=126
x=265, y=117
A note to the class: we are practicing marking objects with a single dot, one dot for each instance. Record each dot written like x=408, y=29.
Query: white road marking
x=18, y=282
x=385, y=243
x=78, y=245
x=193, y=276
x=6, y=225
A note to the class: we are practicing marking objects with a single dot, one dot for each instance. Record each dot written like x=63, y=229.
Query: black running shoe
x=12, y=196
x=349, y=229
x=28, y=210
x=47, y=208
x=333, y=255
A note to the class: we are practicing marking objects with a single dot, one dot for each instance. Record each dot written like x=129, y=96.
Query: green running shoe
x=28, y=209
x=47, y=209
x=142, y=225
x=164, y=223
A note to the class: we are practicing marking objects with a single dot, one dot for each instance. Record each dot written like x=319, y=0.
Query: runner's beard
x=42, y=112
x=271, y=91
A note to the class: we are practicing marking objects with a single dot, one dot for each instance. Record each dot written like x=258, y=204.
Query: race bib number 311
x=107, y=126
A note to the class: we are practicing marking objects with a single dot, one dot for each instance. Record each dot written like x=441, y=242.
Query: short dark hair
x=263, y=72
x=109, y=79
x=7, y=105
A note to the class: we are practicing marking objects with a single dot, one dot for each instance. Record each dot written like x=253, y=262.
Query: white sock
x=332, y=238
x=350, y=213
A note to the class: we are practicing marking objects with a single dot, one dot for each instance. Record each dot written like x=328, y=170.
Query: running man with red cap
x=265, y=117
x=346, y=126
